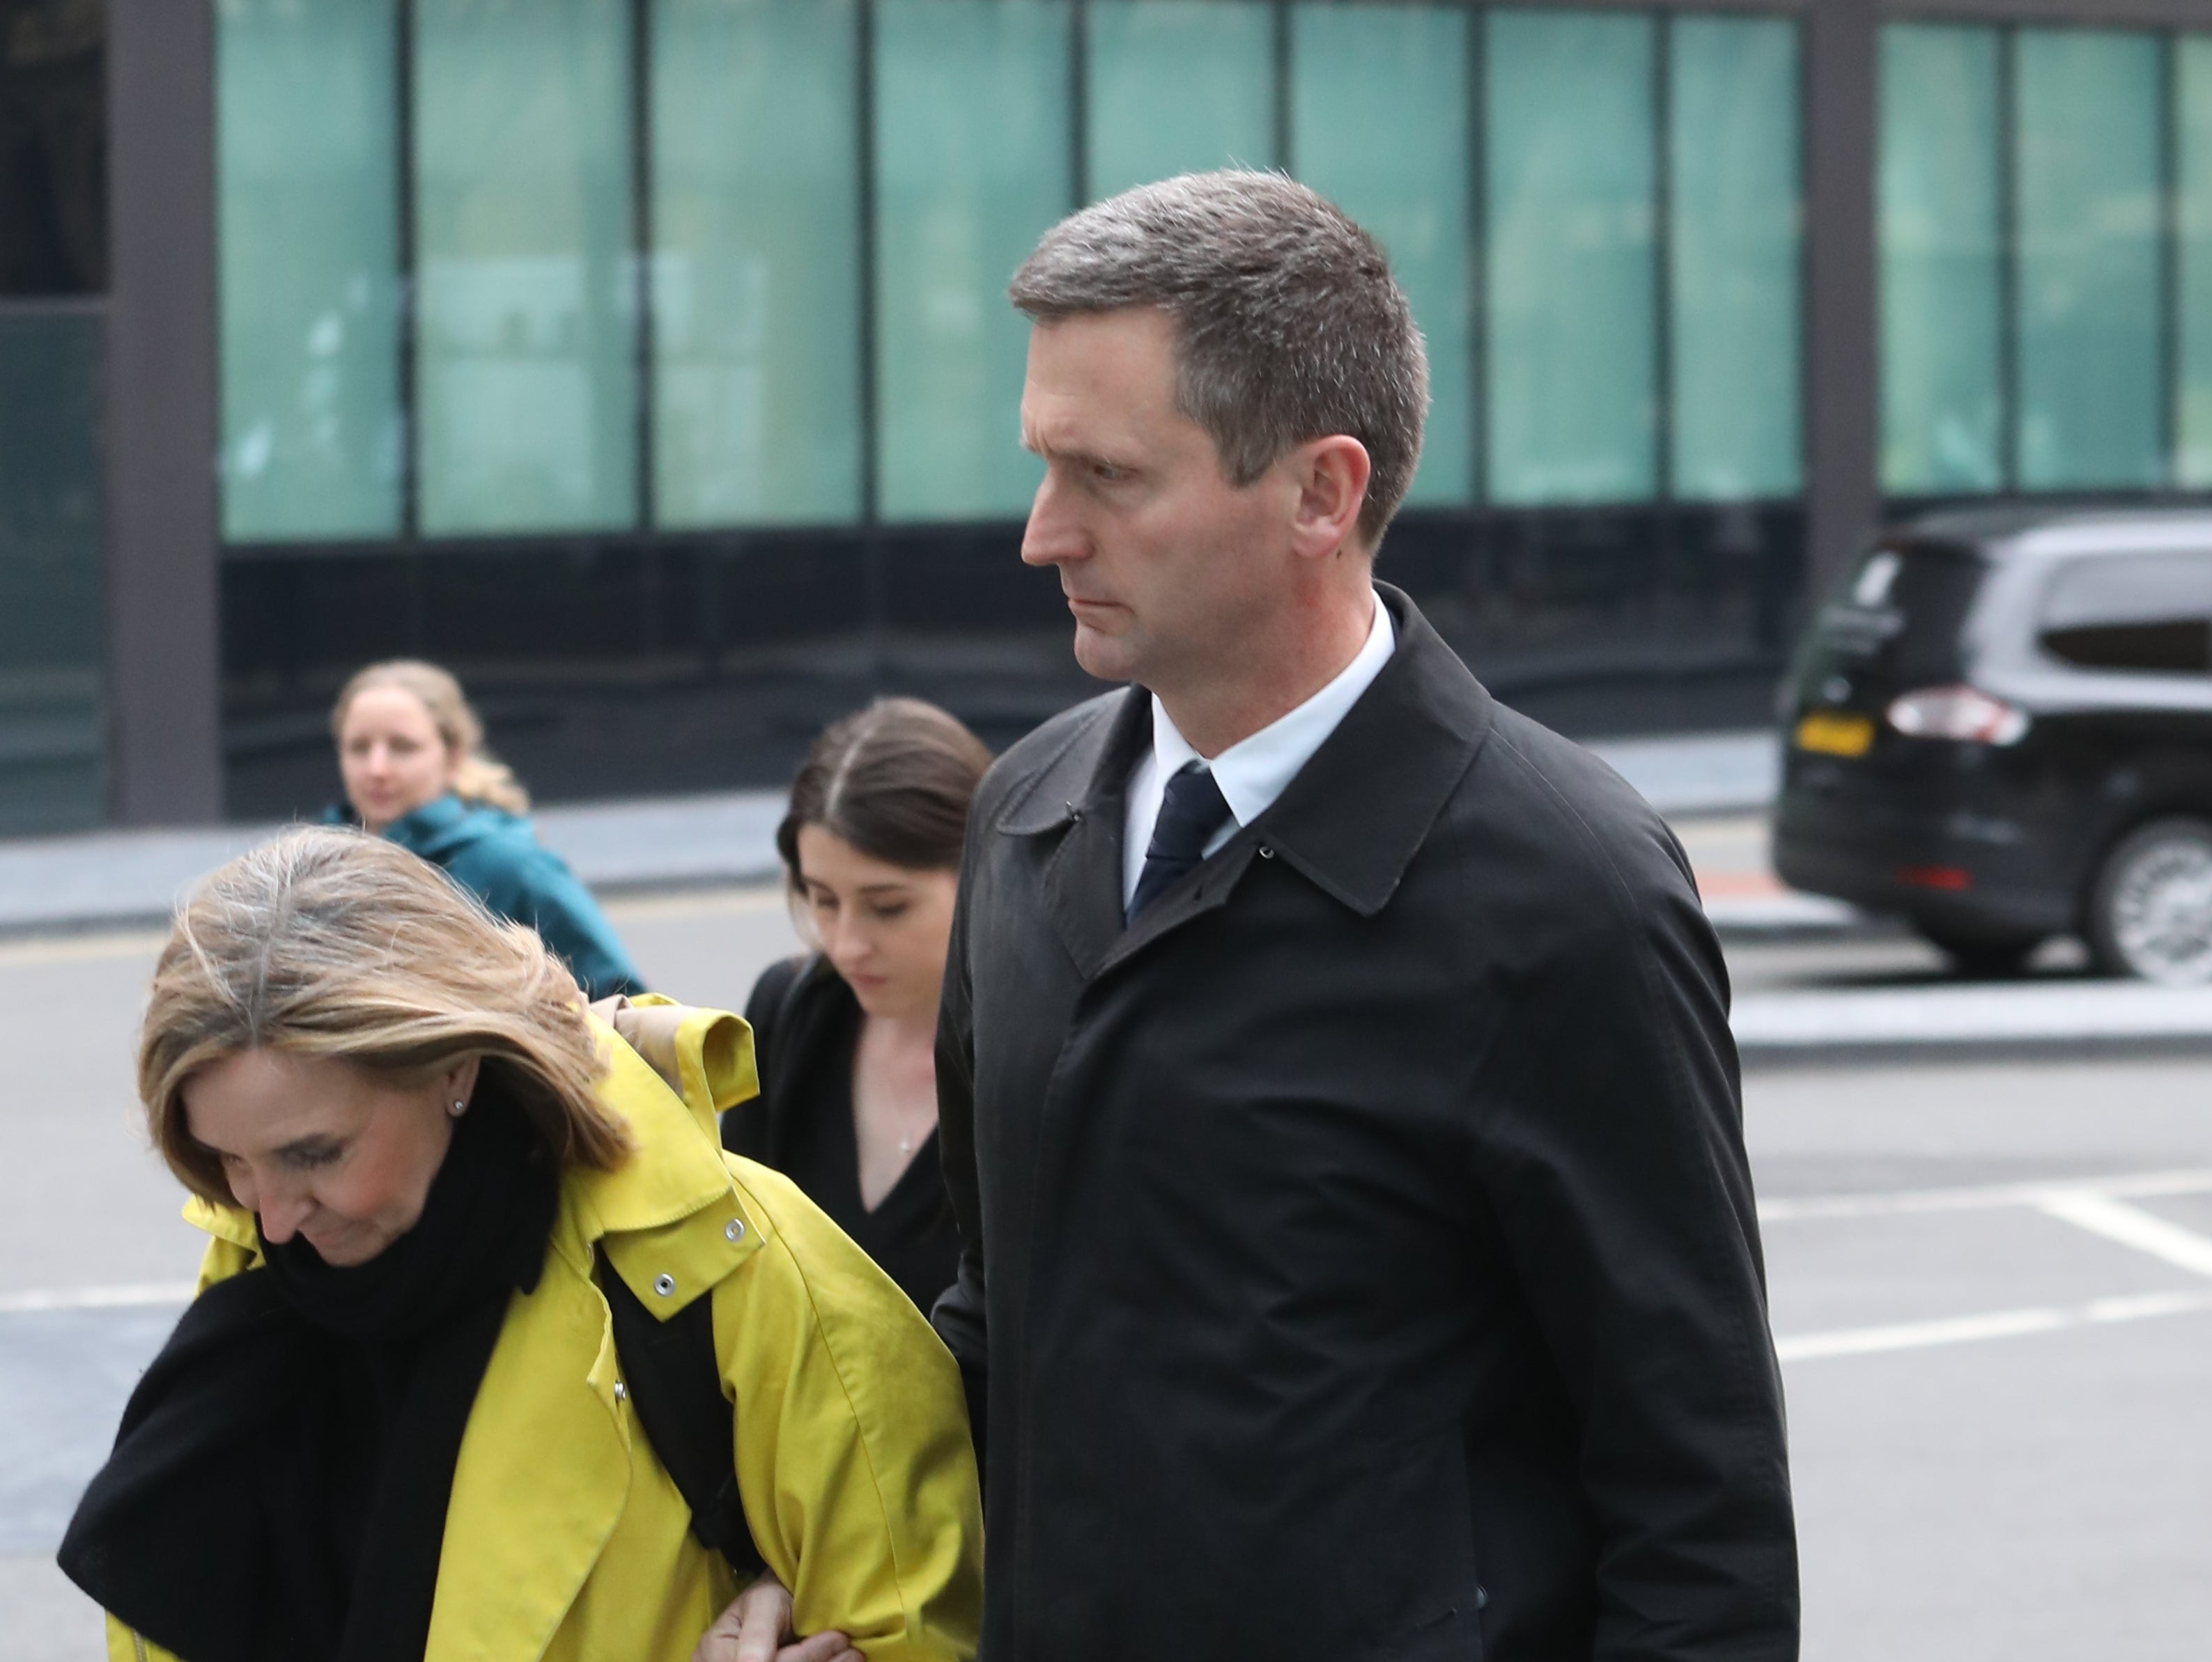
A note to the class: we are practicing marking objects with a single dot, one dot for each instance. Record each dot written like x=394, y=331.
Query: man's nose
x=1052, y=535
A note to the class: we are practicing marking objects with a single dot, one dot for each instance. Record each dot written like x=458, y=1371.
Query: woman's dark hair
x=894, y=780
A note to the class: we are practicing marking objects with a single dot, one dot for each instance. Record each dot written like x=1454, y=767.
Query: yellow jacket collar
x=675, y=1165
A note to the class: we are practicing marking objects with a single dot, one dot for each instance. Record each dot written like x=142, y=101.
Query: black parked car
x=2000, y=726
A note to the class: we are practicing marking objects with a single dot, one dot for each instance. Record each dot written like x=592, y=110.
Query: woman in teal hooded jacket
x=411, y=753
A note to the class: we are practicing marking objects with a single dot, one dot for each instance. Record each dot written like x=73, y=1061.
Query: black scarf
x=279, y=1485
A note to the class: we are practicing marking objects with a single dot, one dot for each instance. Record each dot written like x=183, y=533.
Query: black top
x=1361, y=1255
x=806, y=1026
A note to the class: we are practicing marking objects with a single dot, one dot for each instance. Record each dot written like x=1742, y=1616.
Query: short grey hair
x=1289, y=326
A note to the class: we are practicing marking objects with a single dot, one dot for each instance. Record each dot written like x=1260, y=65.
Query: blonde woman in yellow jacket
x=395, y=1422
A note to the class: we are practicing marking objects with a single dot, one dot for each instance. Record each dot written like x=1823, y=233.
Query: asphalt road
x=1992, y=1285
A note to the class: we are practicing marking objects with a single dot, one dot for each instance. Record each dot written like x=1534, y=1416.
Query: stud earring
x=458, y=1109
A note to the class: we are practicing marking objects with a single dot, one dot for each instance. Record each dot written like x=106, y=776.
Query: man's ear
x=1331, y=475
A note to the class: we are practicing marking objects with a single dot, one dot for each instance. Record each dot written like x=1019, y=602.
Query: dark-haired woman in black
x=845, y=1037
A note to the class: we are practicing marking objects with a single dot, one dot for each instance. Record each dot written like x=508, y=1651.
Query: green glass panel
x=307, y=187
x=1177, y=87
x=1570, y=184
x=755, y=267
x=2088, y=284
x=51, y=749
x=525, y=373
x=1379, y=123
x=1938, y=236
x=2193, y=230
x=972, y=166
x=1733, y=257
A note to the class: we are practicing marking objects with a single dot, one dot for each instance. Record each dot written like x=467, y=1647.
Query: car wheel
x=2150, y=909
x=1980, y=957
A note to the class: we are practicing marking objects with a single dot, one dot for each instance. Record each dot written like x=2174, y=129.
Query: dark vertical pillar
x=1842, y=409
x=164, y=737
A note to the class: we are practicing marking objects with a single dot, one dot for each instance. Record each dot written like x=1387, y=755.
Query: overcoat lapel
x=1355, y=816
x=1082, y=796
x=1194, y=895
x=1350, y=821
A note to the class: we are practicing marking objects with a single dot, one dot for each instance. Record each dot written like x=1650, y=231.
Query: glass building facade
x=731, y=264
x=2045, y=290
x=649, y=361
x=686, y=289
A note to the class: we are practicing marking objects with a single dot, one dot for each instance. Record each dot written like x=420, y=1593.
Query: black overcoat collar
x=1351, y=820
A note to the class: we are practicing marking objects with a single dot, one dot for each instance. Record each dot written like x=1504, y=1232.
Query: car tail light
x=1958, y=713
x=1955, y=878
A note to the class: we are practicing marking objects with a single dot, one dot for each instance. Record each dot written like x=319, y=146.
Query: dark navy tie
x=1191, y=811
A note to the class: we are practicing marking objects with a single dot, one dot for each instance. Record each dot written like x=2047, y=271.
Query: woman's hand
x=755, y=1625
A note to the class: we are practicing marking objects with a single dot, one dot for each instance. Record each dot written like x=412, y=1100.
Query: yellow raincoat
x=565, y=1539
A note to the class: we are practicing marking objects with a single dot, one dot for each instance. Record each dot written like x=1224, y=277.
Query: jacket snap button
x=1482, y=1597
x=734, y=1229
x=1266, y=853
x=622, y=1392
x=664, y=1285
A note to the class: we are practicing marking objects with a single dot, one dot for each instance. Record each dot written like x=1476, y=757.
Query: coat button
x=734, y=1229
x=1482, y=1597
x=1266, y=853
x=622, y=1392
x=664, y=1285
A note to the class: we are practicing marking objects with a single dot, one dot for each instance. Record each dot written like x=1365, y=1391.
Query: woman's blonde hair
x=331, y=943
x=478, y=776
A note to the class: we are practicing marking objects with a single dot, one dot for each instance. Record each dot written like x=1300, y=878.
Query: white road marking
x=132, y=1295
x=1998, y=1325
x=1984, y=1196
x=2131, y=1226
x=2095, y=1204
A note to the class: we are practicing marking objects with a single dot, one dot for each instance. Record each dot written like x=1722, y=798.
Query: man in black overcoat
x=1335, y=1082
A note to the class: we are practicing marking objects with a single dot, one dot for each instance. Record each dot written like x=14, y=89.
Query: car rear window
x=1905, y=605
x=2139, y=612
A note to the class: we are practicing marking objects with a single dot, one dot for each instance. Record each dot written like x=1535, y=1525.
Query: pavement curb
x=121, y=880
x=2065, y=1018
x=1965, y=1052
x=1795, y=918
x=116, y=880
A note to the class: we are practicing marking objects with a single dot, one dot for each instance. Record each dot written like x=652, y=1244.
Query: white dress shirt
x=1253, y=772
